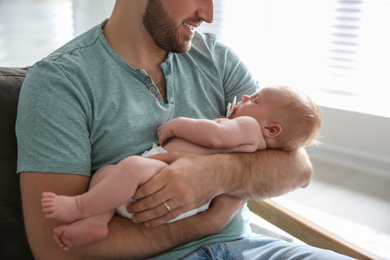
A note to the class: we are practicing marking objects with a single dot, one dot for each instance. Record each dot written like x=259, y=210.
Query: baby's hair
x=300, y=119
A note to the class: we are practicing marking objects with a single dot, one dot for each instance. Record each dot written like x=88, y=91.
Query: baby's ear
x=272, y=130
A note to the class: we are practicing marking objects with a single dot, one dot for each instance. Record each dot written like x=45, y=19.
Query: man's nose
x=206, y=10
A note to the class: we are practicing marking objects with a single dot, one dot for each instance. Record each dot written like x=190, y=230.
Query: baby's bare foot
x=62, y=242
x=80, y=232
x=48, y=202
x=62, y=208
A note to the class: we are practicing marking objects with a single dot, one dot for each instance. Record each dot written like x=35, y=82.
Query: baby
x=276, y=117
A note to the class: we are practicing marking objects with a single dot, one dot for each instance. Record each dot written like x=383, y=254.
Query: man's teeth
x=191, y=27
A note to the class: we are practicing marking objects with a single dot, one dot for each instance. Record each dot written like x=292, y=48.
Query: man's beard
x=164, y=30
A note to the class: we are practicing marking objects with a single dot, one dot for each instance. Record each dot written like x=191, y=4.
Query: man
x=101, y=98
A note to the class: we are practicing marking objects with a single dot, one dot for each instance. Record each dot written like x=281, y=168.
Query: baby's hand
x=165, y=131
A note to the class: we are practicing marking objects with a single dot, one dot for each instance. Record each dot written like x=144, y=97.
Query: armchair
x=13, y=241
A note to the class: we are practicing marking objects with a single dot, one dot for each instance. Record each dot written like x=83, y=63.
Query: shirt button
x=152, y=89
x=158, y=97
x=148, y=80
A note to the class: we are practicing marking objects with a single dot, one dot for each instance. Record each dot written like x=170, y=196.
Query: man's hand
x=184, y=185
x=191, y=180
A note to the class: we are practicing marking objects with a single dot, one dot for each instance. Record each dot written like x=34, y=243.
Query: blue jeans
x=261, y=247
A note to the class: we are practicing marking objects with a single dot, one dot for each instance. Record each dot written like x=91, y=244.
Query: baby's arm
x=241, y=134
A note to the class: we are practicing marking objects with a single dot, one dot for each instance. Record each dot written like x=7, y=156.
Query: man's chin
x=180, y=46
x=187, y=48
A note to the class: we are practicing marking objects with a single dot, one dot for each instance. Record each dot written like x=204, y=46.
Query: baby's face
x=260, y=104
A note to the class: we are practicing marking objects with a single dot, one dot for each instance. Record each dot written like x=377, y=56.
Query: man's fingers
x=152, y=186
x=159, y=215
x=163, y=219
x=150, y=214
x=170, y=215
x=147, y=203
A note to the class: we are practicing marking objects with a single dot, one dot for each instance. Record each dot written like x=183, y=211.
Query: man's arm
x=191, y=180
x=144, y=242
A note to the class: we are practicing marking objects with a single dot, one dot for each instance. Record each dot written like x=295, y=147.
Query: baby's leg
x=65, y=208
x=120, y=181
x=83, y=231
x=69, y=208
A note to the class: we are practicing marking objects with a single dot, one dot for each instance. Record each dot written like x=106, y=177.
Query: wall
x=355, y=139
x=88, y=13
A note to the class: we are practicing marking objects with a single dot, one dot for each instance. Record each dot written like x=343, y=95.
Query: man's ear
x=272, y=130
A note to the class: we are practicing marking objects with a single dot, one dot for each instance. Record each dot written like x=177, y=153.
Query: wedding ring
x=168, y=208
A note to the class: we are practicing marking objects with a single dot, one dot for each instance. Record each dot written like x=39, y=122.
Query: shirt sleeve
x=237, y=78
x=52, y=123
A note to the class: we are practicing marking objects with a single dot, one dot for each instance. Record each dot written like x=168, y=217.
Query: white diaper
x=155, y=150
x=122, y=211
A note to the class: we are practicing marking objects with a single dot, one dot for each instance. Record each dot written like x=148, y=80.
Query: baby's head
x=288, y=119
x=297, y=115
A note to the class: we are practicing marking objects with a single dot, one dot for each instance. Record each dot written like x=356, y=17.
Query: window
x=336, y=50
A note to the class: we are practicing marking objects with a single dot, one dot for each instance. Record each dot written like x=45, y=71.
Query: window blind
x=336, y=46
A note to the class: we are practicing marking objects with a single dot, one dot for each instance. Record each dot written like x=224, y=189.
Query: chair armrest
x=306, y=230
